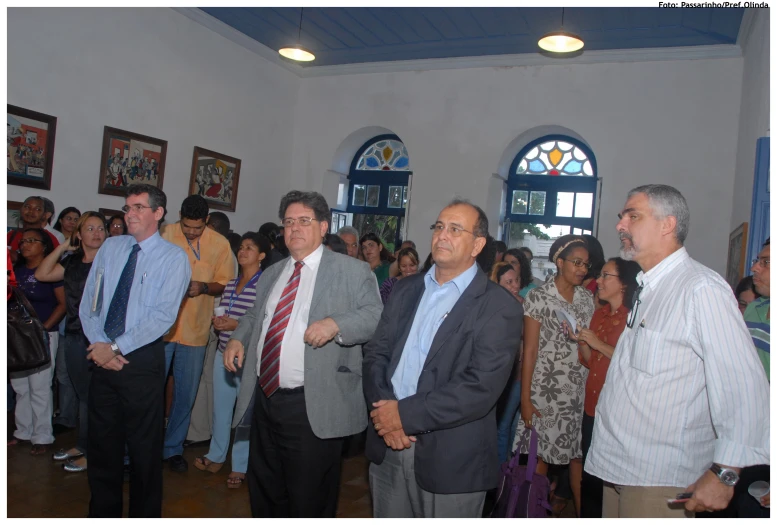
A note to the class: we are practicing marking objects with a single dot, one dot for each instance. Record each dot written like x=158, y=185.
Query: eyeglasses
x=303, y=221
x=454, y=231
x=578, y=262
x=606, y=274
x=763, y=262
x=633, y=313
x=29, y=241
x=137, y=208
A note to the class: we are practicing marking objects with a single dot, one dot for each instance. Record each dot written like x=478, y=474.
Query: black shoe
x=191, y=443
x=177, y=463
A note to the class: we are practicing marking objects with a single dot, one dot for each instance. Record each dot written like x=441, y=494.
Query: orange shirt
x=608, y=327
x=215, y=265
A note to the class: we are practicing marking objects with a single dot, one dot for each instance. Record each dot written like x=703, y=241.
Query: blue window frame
x=378, y=177
x=553, y=180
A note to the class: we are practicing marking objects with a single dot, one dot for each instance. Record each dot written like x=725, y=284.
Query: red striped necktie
x=270, y=365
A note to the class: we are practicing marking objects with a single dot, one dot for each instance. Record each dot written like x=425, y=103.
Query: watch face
x=729, y=477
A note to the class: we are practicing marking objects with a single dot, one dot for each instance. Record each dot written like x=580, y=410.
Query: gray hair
x=667, y=201
x=349, y=230
x=48, y=207
x=481, y=226
x=156, y=197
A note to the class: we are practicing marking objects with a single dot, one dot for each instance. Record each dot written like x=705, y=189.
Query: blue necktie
x=117, y=312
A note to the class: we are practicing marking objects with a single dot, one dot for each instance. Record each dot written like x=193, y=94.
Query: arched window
x=378, y=188
x=552, y=188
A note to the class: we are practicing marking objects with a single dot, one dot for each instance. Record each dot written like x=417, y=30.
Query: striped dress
x=241, y=301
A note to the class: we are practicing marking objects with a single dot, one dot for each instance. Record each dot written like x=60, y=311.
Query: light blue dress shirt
x=436, y=303
x=162, y=276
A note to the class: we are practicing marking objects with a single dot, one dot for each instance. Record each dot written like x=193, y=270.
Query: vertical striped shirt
x=241, y=301
x=685, y=387
x=757, y=321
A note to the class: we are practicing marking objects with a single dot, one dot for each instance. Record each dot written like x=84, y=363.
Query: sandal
x=16, y=441
x=235, y=482
x=39, y=450
x=204, y=464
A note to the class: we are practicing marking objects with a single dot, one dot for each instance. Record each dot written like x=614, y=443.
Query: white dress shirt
x=55, y=233
x=685, y=387
x=292, y=365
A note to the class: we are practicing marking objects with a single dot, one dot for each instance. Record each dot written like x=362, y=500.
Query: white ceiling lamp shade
x=561, y=42
x=297, y=52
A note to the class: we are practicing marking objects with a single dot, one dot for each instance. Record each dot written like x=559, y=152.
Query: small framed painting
x=14, y=211
x=30, y=152
x=737, y=249
x=128, y=158
x=215, y=177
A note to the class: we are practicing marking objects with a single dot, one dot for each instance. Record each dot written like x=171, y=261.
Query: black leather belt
x=289, y=391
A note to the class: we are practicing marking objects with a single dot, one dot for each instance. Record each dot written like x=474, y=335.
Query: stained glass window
x=385, y=155
x=555, y=157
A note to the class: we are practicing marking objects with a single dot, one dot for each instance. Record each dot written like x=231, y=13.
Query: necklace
x=232, y=295
x=197, y=251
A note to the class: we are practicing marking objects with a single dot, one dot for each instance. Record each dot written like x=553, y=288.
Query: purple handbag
x=522, y=492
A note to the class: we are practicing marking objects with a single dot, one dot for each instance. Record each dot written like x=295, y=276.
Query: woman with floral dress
x=553, y=379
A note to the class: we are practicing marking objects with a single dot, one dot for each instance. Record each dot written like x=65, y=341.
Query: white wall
x=155, y=72
x=754, y=114
x=652, y=122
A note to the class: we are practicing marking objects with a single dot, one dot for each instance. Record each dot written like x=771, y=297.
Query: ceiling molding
x=520, y=60
x=591, y=57
x=746, y=27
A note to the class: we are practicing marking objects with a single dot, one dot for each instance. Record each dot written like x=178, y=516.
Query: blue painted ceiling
x=348, y=35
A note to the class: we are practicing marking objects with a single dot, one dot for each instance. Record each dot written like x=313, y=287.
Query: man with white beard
x=686, y=402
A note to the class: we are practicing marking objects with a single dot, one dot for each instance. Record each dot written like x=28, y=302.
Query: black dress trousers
x=127, y=406
x=292, y=473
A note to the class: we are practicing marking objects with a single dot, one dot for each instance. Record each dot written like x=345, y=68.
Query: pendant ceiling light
x=561, y=41
x=298, y=53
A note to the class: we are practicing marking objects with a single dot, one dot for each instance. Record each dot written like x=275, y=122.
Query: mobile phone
x=680, y=498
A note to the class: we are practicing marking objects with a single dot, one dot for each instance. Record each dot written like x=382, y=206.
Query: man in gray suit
x=301, y=343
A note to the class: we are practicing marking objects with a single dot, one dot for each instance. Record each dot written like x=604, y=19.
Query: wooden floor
x=39, y=488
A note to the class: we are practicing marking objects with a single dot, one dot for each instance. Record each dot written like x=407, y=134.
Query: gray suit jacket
x=346, y=290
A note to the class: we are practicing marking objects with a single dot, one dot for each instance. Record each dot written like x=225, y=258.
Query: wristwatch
x=115, y=349
x=204, y=289
x=725, y=475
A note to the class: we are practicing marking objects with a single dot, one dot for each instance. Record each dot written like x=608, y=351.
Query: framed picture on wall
x=30, y=152
x=14, y=210
x=737, y=249
x=215, y=176
x=128, y=158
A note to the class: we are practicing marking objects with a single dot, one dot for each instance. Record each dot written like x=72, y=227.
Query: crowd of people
x=643, y=376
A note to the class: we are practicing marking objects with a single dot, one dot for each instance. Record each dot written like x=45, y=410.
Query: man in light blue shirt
x=432, y=373
x=435, y=305
x=131, y=299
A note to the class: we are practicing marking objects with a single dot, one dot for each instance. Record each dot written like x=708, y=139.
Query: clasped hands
x=388, y=425
x=102, y=355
